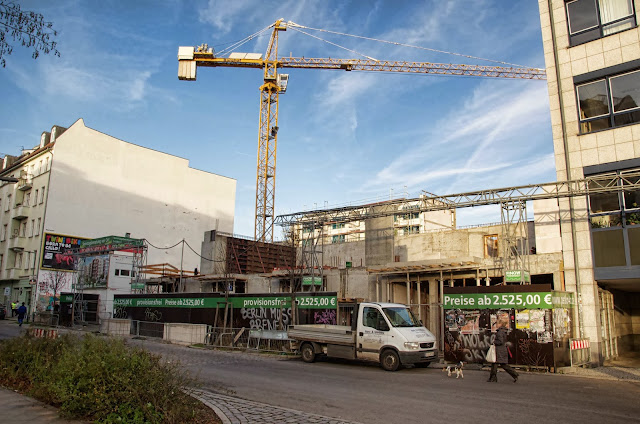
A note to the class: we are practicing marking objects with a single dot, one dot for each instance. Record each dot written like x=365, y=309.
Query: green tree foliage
x=27, y=28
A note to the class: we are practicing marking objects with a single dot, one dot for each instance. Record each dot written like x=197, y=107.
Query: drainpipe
x=568, y=167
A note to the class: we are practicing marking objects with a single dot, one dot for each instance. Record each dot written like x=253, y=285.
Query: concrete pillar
x=408, y=290
x=434, y=309
x=419, y=299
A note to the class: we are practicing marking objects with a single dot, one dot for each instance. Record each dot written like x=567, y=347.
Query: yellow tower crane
x=190, y=58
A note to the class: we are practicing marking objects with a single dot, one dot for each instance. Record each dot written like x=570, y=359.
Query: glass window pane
x=608, y=248
x=631, y=197
x=582, y=15
x=634, y=245
x=606, y=221
x=625, y=91
x=595, y=125
x=612, y=10
x=626, y=118
x=593, y=99
x=619, y=26
x=603, y=202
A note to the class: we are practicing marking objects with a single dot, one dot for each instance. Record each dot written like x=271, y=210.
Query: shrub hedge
x=98, y=378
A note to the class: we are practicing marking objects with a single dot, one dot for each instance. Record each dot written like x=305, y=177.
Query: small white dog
x=457, y=368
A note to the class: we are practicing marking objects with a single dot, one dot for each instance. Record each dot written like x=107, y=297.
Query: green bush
x=98, y=378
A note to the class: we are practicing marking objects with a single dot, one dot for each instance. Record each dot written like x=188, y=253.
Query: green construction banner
x=514, y=276
x=532, y=300
x=303, y=302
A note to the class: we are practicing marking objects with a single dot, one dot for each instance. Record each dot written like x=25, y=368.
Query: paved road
x=265, y=388
x=365, y=393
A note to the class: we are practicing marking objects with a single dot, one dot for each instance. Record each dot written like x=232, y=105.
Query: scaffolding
x=82, y=302
x=511, y=199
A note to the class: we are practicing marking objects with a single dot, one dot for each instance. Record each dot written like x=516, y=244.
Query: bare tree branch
x=27, y=28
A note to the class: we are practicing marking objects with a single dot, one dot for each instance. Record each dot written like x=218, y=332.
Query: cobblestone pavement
x=232, y=410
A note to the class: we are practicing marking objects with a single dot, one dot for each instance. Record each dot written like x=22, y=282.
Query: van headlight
x=412, y=345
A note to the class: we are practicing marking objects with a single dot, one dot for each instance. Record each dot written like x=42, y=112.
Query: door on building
x=607, y=324
x=374, y=334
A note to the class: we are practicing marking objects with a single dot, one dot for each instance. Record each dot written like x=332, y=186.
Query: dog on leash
x=457, y=368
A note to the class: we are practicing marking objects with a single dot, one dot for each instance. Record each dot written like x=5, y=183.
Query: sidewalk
x=21, y=408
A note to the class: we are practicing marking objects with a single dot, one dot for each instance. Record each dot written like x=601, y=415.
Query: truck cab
x=388, y=333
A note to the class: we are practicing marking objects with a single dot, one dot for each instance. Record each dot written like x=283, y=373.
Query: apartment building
x=79, y=183
x=592, y=55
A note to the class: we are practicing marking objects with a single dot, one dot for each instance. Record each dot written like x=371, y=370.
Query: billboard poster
x=93, y=271
x=54, y=251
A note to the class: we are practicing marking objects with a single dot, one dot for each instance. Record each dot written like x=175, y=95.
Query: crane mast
x=189, y=58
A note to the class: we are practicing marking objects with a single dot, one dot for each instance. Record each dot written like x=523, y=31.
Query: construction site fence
x=580, y=350
x=147, y=329
x=46, y=318
x=248, y=339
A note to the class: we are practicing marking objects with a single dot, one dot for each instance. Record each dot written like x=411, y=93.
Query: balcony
x=26, y=181
x=17, y=243
x=21, y=212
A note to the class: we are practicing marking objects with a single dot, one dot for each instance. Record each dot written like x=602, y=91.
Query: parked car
x=3, y=312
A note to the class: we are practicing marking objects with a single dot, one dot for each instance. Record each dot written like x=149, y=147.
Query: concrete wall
x=184, y=334
x=379, y=241
x=104, y=186
x=116, y=327
x=547, y=226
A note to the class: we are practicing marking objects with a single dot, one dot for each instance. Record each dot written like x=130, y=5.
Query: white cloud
x=481, y=141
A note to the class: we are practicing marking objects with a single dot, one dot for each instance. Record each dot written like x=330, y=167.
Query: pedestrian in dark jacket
x=22, y=311
x=502, y=356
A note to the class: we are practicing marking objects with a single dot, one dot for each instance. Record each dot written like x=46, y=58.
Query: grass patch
x=99, y=379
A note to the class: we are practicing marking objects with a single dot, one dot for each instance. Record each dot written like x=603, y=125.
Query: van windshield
x=401, y=317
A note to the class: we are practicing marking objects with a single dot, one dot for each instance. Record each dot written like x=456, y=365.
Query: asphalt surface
x=359, y=392
x=248, y=387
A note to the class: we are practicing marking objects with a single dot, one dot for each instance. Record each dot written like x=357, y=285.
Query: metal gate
x=608, y=325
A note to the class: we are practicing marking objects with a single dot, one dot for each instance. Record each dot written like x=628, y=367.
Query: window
x=17, y=263
x=411, y=229
x=46, y=164
x=6, y=207
x=42, y=195
x=610, y=102
x=615, y=223
x=35, y=257
x=117, y=272
x=371, y=317
x=1, y=260
x=28, y=260
x=124, y=273
x=35, y=198
x=23, y=229
x=338, y=239
x=337, y=226
x=491, y=246
x=27, y=199
x=38, y=227
x=33, y=224
x=4, y=232
x=40, y=168
x=592, y=19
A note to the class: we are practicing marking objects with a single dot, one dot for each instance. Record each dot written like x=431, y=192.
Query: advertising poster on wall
x=522, y=319
x=469, y=323
x=55, y=254
x=93, y=271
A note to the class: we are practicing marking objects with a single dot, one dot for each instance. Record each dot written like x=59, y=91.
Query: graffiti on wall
x=325, y=317
x=266, y=318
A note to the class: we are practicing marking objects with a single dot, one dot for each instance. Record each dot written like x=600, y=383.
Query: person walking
x=14, y=307
x=502, y=356
x=22, y=311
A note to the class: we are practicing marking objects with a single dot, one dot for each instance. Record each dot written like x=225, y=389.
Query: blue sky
x=345, y=137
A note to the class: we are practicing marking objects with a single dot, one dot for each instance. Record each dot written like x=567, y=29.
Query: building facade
x=592, y=55
x=79, y=183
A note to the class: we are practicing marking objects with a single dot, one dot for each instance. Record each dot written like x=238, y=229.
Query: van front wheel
x=389, y=360
x=307, y=353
